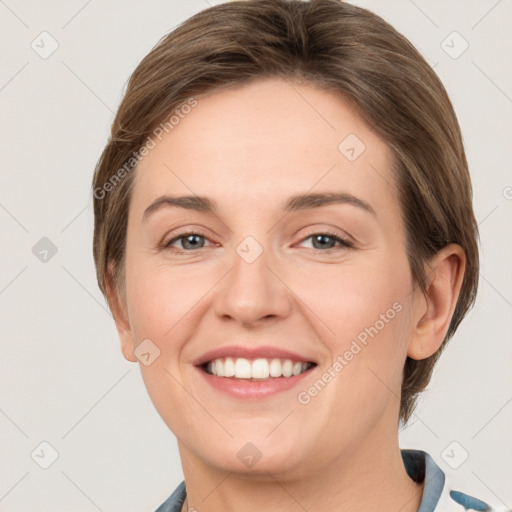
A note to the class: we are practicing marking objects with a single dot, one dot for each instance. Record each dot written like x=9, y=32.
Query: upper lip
x=266, y=352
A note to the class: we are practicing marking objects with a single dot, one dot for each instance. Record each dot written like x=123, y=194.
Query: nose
x=253, y=292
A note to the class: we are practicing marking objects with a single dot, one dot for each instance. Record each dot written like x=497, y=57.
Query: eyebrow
x=294, y=203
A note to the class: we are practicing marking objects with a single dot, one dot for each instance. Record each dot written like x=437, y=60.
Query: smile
x=254, y=379
x=255, y=369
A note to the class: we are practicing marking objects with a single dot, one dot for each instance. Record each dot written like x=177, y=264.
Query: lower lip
x=253, y=389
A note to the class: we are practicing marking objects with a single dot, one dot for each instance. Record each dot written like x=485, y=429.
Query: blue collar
x=420, y=466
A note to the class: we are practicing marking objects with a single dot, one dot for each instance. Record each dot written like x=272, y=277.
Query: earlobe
x=127, y=348
x=436, y=305
x=120, y=318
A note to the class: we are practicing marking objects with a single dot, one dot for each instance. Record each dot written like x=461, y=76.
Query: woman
x=285, y=235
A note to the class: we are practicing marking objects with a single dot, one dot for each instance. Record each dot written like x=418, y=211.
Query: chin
x=250, y=458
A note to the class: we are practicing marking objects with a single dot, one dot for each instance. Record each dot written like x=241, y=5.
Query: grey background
x=63, y=379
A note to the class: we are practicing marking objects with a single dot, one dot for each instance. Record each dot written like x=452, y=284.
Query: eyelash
x=343, y=243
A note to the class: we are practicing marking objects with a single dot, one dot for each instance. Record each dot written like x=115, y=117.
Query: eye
x=189, y=242
x=194, y=241
x=327, y=241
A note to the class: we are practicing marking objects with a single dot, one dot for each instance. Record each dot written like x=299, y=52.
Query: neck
x=368, y=478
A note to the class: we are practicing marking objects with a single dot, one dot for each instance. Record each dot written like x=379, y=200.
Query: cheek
x=161, y=299
x=164, y=306
x=370, y=316
x=353, y=299
x=367, y=310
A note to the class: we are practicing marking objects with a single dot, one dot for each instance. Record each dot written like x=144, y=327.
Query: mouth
x=243, y=371
x=257, y=378
x=257, y=369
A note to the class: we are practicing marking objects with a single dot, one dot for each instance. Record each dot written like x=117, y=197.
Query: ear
x=433, y=309
x=118, y=308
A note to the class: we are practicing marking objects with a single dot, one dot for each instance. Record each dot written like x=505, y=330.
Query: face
x=295, y=257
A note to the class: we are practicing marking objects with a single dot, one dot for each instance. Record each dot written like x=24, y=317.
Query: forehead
x=259, y=143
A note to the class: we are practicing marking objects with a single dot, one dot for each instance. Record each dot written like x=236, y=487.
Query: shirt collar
x=420, y=466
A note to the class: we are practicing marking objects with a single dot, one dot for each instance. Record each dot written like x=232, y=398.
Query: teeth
x=229, y=367
x=242, y=368
x=297, y=368
x=260, y=369
x=219, y=367
x=287, y=368
x=276, y=368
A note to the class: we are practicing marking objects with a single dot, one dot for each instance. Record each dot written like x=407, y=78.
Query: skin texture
x=249, y=149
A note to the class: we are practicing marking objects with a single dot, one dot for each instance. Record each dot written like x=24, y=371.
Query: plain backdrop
x=63, y=380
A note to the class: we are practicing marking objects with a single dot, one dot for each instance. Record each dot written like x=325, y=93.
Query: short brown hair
x=332, y=45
